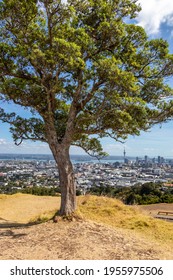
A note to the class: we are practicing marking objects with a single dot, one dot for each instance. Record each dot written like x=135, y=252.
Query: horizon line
x=86, y=155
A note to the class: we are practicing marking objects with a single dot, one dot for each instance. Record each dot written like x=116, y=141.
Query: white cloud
x=154, y=13
x=2, y=141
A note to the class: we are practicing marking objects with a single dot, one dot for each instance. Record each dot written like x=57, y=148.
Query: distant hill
x=103, y=228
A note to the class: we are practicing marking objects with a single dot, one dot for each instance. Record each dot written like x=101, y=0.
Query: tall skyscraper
x=159, y=160
x=146, y=159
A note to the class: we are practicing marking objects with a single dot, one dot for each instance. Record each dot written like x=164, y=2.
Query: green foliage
x=78, y=192
x=41, y=191
x=35, y=190
x=150, y=188
x=166, y=198
x=82, y=70
x=148, y=193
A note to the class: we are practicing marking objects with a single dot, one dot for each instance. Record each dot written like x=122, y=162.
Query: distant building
x=146, y=159
x=127, y=161
x=160, y=160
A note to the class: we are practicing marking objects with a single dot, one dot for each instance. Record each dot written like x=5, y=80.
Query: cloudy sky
x=157, y=19
x=156, y=15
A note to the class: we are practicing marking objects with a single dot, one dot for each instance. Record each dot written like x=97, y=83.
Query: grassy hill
x=112, y=216
x=26, y=208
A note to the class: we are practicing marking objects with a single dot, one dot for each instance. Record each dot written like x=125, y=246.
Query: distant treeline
x=41, y=191
x=147, y=193
x=44, y=191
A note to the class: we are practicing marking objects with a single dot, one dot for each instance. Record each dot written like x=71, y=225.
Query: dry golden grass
x=24, y=208
x=114, y=213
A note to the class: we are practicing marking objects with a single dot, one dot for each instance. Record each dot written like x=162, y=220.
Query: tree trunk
x=67, y=181
x=61, y=155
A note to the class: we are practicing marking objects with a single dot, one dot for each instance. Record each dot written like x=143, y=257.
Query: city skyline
x=157, y=19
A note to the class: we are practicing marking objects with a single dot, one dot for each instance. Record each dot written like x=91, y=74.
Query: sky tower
x=124, y=154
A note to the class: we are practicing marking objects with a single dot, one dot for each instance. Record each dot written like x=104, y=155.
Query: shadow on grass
x=10, y=224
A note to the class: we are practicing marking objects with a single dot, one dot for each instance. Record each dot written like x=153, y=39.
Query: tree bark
x=61, y=155
x=67, y=182
x=67, y=179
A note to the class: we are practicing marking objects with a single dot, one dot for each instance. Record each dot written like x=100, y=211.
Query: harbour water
x=47, y=157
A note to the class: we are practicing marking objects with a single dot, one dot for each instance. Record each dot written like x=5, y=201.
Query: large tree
x=84, y=71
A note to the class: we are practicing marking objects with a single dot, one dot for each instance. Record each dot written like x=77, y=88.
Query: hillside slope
x=106, y=229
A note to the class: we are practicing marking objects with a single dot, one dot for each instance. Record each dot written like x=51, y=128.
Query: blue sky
x=157, y=19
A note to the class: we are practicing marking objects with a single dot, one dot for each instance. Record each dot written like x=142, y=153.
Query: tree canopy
x=83, y=69
x=55, y=57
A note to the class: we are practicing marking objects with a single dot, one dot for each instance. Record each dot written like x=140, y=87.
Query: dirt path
x=75, y=240
x=153, y=209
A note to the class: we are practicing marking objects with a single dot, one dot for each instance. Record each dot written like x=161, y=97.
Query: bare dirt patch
x=153, y=209
x=76, y=240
